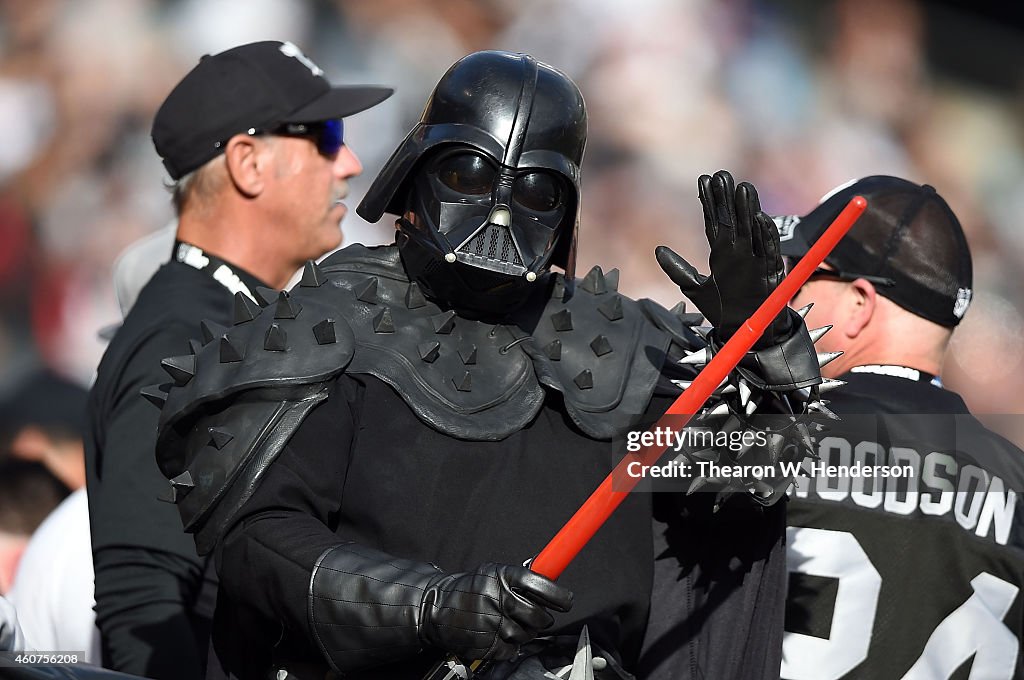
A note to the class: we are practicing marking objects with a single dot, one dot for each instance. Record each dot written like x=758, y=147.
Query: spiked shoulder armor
x=237, y=397
x=483, y=381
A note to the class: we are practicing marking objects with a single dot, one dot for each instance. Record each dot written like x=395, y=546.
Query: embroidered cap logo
x=963, y=300
x=290, y=50
x=786, y=226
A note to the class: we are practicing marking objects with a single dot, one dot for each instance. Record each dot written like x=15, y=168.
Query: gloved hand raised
x=488, y=613
x=746, y=261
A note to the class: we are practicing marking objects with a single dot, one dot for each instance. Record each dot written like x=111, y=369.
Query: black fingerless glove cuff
x=364, y=606
x=789, y=364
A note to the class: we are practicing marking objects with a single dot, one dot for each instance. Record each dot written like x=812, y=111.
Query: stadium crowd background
x=794, y=96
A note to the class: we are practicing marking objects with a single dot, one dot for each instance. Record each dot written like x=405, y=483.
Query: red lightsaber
x=582, y=526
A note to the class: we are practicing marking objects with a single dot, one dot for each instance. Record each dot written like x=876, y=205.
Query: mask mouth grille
x=493, y=245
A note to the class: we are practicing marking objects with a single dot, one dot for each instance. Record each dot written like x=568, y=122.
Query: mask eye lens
x=467, y=174
x=540, y=191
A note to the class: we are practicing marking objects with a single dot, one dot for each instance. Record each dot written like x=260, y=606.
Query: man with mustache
x=252, y=139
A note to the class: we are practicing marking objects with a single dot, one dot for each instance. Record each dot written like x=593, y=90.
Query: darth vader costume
x=373, y=454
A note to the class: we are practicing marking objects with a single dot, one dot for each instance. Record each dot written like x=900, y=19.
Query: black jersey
x=151, y=586
x=906, y=559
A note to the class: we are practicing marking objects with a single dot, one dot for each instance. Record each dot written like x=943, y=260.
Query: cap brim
x=339, y=102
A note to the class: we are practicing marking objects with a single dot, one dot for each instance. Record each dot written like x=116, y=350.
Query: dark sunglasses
x=328, y=135
x=840, y=274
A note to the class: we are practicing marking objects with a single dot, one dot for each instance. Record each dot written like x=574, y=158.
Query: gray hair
x=198, y=185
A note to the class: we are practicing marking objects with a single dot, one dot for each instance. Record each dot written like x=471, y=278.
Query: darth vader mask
x=487, y=183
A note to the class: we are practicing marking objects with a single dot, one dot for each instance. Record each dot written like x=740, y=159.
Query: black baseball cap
x=257, y=85
x=908, y=241
x=46, y=400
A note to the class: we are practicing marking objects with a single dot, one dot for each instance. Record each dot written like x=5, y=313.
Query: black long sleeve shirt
x=154, y=595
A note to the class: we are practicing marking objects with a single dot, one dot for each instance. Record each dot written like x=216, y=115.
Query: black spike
x=611, y=308
x=245, y=309
x=562, y=321
x=696, y=484
x=181, y=369
x=383, y=323
x=585, y=380
x=429, y=351
x=443, y=322
x=464, y=384
x=154, y=394
x=706, y=454
x=820, y=407
x=195, y=345
x=738, y=455
x=286, y=307
x=679, y=309
x=180, y=486
x=554, y=350
x=368, y=293
x=229, y=352
x=594, y=282
x=211, y=330
x=612, y=279
x=694, y=319
x=219, y=438
x=600, y=345
x=558, y=288
x=264, y=296
x=468, y=354
x=276, y=340
x=414, y=296
x=312, y=275
x=324, y=332
x=805, y=436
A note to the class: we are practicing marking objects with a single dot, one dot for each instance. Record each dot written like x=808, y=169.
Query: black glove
x=488, y=613
x=369, y=608
x=746, y=262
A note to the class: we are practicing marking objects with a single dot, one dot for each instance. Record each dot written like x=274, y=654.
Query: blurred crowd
x=795, y=97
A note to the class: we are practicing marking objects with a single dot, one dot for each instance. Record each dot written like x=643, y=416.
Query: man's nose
x=347, y=163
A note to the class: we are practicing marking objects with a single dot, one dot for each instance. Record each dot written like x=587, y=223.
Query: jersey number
x=974, y=628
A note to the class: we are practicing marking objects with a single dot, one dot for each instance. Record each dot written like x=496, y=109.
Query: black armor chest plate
x=483, y=381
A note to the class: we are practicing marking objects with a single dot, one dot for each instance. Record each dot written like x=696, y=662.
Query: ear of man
x=248, y=163
x=862, y=304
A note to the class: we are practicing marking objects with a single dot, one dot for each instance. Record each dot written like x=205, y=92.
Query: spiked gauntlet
x=781, y=375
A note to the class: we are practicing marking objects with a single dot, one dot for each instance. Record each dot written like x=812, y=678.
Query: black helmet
x=491, y=176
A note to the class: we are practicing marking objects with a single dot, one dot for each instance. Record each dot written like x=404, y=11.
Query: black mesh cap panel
x=908, y=234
